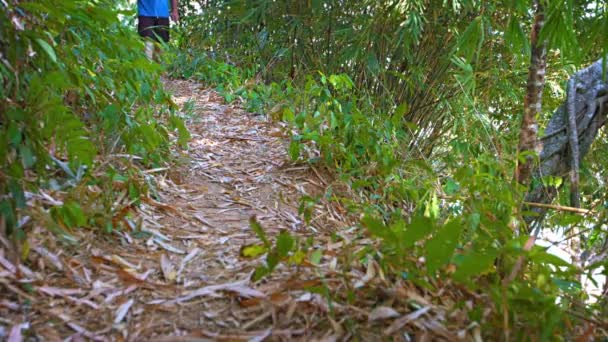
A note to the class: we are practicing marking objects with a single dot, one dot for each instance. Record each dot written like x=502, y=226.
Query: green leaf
x=372, y=63
x=253, y=251
x=474, y=221
x=285, y=244
x=81, y=151
x=376, y=227
x=399, y=113
x=6, y=210
x=27, y=156
x=294, y=150
x=439, y=249
x=17, y=193
x=259, y=231
x=272, y=260
x=297, y=257
x=516, y=38
x=432, y=207
x=183, y=134
x=261, y=272
x=471, y=40
x=419, y=228
x=14, y=133
x=71, y=214
x=288, y=115
x=541, y=256
x=134, y=192
x=567, y=286
x=316, y=256
x=475, y=263
x=47, y=48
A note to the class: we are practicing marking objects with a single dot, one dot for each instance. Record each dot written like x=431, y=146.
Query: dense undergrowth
x=416, y=106
x=81, y=112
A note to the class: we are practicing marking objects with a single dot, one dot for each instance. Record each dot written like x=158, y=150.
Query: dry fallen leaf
x=15, y=334
x=167, y=268
x=50, y=257
x=237, y=287
x=382, y=312
x=122, y=311
x=401, y=322
x=261, y=337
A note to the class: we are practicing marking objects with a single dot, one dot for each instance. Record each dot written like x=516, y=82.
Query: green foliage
x=286, y=249
x=416, y=105
x=76, y=87
x=441, y=246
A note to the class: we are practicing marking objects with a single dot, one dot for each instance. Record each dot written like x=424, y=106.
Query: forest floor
x=179, y=274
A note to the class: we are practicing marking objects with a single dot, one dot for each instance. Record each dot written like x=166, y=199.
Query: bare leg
x=150, y=50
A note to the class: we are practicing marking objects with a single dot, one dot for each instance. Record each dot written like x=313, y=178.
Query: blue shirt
x=153, y=8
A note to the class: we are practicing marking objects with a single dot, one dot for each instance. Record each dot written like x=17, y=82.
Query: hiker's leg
x=145, y=28
x=163, y=29
x=161, y=32
x=150, y=47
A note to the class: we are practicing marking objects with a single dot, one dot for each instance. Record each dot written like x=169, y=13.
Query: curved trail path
x=236, y=167
x=178, y=273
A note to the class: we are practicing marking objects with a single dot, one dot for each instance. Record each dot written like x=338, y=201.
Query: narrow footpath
x=180, y=274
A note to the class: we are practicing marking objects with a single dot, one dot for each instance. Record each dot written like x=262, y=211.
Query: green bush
x=76, y=86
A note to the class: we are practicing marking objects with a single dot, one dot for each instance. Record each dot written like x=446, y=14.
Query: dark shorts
x=153, y=27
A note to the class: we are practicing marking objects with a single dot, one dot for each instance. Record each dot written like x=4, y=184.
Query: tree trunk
x=528, y=141
x=590, y=106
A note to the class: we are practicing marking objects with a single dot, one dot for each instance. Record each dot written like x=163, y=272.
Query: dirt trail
x=179, y=271
x=236, y=168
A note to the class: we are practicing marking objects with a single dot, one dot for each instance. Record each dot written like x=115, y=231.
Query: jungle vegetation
x=435, y=113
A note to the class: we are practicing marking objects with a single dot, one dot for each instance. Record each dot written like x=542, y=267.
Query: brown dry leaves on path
x=179, y=274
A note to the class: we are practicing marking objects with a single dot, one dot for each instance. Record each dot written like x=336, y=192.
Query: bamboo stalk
x=560, y=208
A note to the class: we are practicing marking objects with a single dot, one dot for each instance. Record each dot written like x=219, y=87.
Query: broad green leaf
x=47, y=48
x=288, y=115
x=6, y=210
x=516, y=38
x=471, y=40
x=372, y=63
x=451, y=187
x=419, y=228
x=183, y=134
x=541, y=256
x=474, y=221
x=440, y=248
x=376, y=227
x=475, y=263
x=285, y=244
x=72, y=215
x=568, y=286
